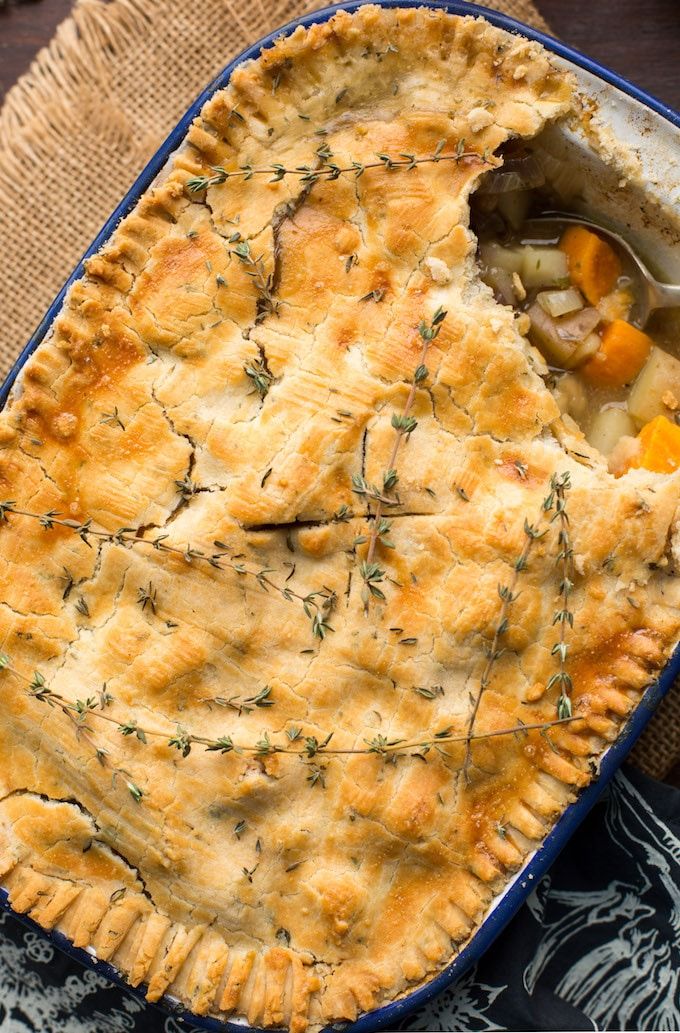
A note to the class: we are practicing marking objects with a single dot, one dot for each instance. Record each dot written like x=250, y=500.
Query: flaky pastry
x=227, y=383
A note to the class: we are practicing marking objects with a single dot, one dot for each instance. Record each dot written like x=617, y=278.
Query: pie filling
x=581, y=297
x=319, y=599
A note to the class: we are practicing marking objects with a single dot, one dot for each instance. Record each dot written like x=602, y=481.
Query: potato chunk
x=659, y=376
x=607, y=429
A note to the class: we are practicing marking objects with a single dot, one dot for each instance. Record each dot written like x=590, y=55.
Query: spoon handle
x=665, y=295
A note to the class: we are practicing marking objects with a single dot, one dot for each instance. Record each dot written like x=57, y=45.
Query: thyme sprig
x=147, y=597
x=404, y=424
x=263, y=698
x=317, y=605
x=78, y=713
x=329, y=170
x=507, y=594
x=555, y=504
x=264, y=282
x=563, y=617
x=260, y=376
x=112, y=418
x=294, y=742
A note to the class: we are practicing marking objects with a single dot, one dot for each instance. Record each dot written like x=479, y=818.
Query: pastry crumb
x=438, y=270
x=64, y=425
x=479, y=118
x=518, y=287
x=523, y=324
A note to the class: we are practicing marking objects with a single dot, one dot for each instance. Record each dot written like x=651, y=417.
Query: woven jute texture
x=79, y=126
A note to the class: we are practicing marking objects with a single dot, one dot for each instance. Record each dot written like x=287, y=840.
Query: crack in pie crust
x=239, y=883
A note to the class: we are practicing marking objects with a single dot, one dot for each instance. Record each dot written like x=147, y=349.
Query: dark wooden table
x=638, y=38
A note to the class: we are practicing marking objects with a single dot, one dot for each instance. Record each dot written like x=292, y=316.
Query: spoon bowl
x=651, y=295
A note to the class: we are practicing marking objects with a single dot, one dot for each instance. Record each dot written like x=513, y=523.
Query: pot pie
x=316, y=609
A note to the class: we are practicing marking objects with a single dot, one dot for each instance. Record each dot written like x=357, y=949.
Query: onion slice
x=521, y=173
x=567, y=341
x=560, y=303
x=579, y=325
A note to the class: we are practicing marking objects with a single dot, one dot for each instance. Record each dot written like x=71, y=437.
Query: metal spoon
x=651, y=295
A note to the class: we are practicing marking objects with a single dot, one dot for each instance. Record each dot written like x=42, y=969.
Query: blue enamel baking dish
x=651, y=132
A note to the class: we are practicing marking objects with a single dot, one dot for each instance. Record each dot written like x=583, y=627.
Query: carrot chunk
x=660, y=446
x=594, y=266
x=622, y=354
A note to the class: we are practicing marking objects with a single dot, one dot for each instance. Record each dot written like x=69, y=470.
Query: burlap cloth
x=79, y=126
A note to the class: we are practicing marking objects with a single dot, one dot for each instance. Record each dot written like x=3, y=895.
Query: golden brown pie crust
x=238, y=883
